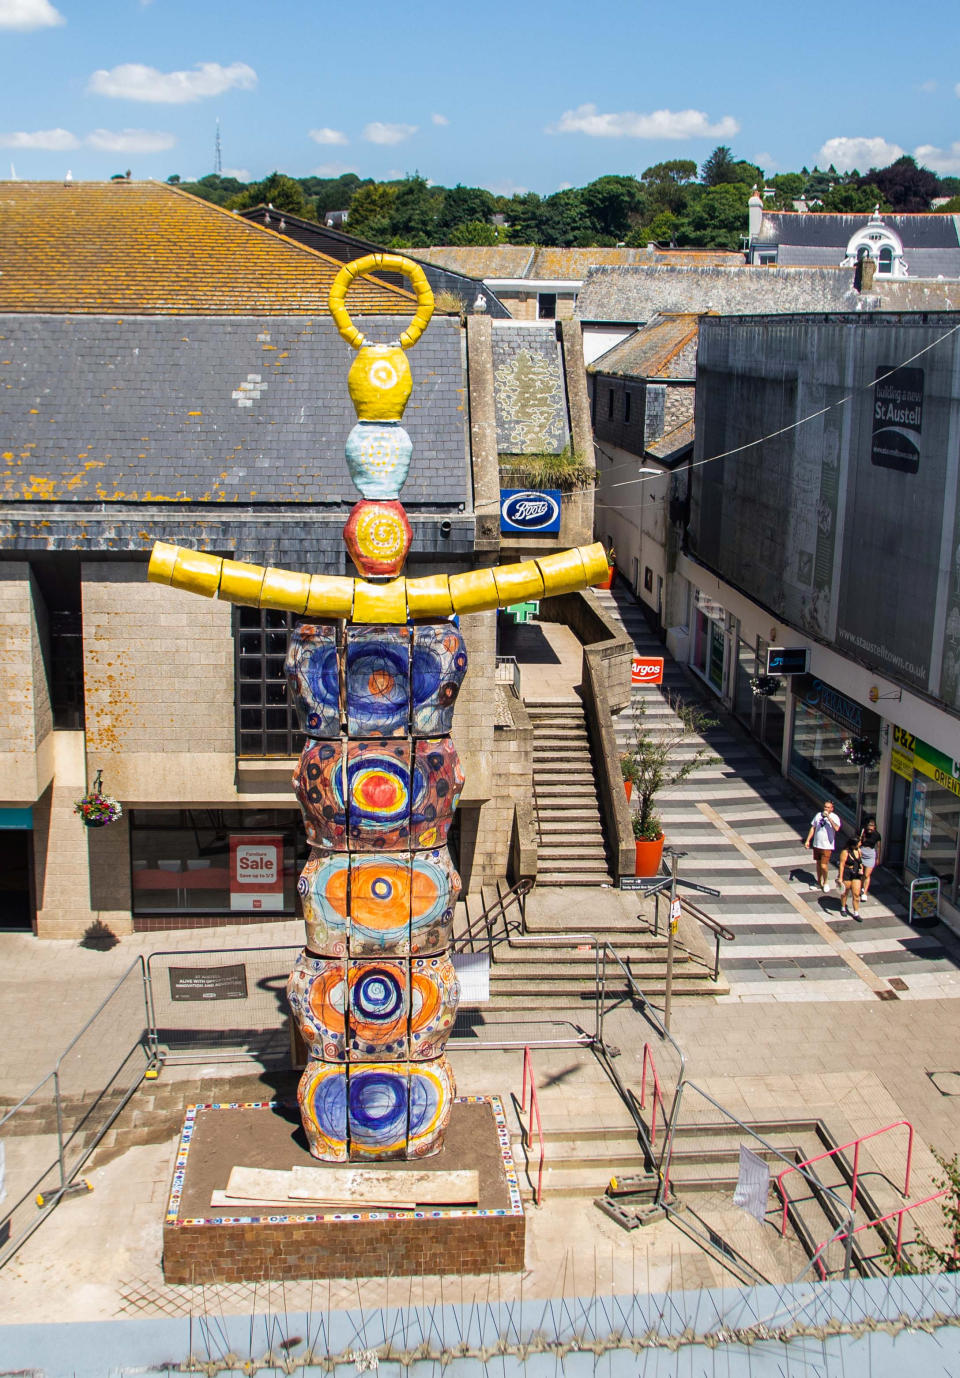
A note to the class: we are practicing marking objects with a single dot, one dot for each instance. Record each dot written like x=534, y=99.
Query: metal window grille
x=266, y=723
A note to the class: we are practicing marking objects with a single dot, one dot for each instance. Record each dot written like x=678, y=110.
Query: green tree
x=716, y=218
x=369, y=210
x=613, y=203
x=219, y=190
x=719, y=167
x=277, y=190
x=565, y=221
x=850, y=199
x=413, y=214
x=330, y=193
x=952, y=207
x=174, y=179
x=473, y=232
x=950, y=186
x=788, y=187
x=932, y=1258
x=463, y=206
x=661, y=229
x=524, y=214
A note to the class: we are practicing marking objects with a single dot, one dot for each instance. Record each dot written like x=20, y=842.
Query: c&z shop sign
x=536, y=512
x=256, y=872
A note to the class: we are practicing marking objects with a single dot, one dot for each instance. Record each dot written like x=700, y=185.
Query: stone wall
x=512, y=770
x=159, y=689
x=26, y=759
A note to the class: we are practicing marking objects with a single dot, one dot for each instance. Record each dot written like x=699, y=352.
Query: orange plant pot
x=628, y=786
x=608, y=582
x=648, y=856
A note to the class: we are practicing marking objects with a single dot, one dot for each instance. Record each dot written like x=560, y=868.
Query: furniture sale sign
x=256, y=872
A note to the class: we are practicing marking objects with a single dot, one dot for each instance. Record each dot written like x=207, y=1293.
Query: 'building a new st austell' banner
x=848, y=525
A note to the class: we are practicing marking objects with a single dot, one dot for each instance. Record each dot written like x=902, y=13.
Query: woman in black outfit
x=851, y=877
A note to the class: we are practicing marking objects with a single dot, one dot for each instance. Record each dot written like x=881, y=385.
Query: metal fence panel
x=231, y=1001
x=28, y=1134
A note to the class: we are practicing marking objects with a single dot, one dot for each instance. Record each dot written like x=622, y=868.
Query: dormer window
x=879, y=242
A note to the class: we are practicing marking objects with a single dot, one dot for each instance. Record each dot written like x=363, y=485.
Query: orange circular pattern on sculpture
x=378, y=536
x=328, y=997
x=380, y=898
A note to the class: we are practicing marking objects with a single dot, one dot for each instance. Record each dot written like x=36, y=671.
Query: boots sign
x=530, y=510
x=256, y=872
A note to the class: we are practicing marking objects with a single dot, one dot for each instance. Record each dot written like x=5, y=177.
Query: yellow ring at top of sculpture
x=392, y=263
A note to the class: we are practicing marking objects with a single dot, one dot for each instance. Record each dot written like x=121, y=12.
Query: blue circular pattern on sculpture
x=378, y=1106
x=378, y=457
x=424, y=673
x=329, y=1105
x=377, y=685
x=424, y=1103
x=321, y=672
x=378, y=788
x=377, y=995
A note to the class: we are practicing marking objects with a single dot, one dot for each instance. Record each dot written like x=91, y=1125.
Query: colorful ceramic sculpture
x=374, y=672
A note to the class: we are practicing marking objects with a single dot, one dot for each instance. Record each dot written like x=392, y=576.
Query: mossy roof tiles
x=651, y=351
x=146, y=248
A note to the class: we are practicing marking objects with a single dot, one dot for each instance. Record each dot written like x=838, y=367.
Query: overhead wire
x=771, y=435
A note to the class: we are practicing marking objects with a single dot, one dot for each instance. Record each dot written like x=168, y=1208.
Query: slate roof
x=493, y=261
x=247, y=411
x=670, y=447
x=931, y=242
x=343, y=247
x=926, y=230
x=652, y=352
x=559, y=264
x=638, y=294
x=147, y=247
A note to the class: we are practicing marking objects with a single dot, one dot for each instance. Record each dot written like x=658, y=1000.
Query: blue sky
x=509, y=96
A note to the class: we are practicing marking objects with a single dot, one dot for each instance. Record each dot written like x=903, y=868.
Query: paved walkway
x=742, y=826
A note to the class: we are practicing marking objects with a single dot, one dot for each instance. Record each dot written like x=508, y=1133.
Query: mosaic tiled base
x=206, y=1248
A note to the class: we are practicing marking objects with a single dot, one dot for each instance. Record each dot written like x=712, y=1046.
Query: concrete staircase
x=571, y=848
x=558, y=971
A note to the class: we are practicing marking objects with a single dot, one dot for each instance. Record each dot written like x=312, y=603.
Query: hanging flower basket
x=765, y=686
x=97, y=809
x=860, y=751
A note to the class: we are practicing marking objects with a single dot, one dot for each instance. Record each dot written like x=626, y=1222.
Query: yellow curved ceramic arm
x=390, y=263
x=325, y=595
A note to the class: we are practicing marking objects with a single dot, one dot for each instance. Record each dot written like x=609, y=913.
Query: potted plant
x=860, y=751
x=652, y=767
x=765, y=686
x=97, y=809
x=628, y=769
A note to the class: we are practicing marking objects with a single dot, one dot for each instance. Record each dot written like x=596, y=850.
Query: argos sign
x=646, y=670
x=526, y=509
x=256, y=872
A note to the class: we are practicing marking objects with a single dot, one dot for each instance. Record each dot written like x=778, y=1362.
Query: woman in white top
x=822, y=836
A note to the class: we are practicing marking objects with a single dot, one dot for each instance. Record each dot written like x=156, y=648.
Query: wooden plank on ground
x=454, y=1188
x=222, y=1201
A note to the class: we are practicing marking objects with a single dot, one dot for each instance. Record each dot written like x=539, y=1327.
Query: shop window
x=934, y=828
x=216, y=861
x=817, y=758
x=266, y=723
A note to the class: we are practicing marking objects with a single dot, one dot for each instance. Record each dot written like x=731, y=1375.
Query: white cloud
x=861, y=152
x=929, y=87
x=439, y=119
x=130, y=140
x=379, y=133
x=659, y=124
x=134, y=81
x=242, y=174
x=564, y=186
x=507, y=189
x=52, y=140
x=328, y=136
x=765, y=160
x=29, y=14
x=332, y=170
x=946, y=161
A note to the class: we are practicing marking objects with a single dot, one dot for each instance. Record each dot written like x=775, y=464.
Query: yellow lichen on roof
x=649, y=352
x=149, y=248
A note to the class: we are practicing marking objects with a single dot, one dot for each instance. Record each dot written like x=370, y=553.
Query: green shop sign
x=912, y=753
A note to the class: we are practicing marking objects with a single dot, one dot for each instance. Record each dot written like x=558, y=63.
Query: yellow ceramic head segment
x=387, y=263
x=379, y=383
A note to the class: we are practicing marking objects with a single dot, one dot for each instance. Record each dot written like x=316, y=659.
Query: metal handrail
x=498, y=910
x=534, y=1111
x=718, y=929
x=869, y=1224
x=855, y=1145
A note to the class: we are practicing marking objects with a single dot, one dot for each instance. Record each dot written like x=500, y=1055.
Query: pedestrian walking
x=870, y=851
x=851, y=877
x=822, y=838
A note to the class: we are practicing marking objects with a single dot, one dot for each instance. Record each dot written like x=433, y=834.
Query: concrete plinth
x=201, y=1245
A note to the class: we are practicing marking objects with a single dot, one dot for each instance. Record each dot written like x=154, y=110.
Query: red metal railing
x=855, y=1145
x=534, y=1114
x=903, y=1210
x=657, y=1097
